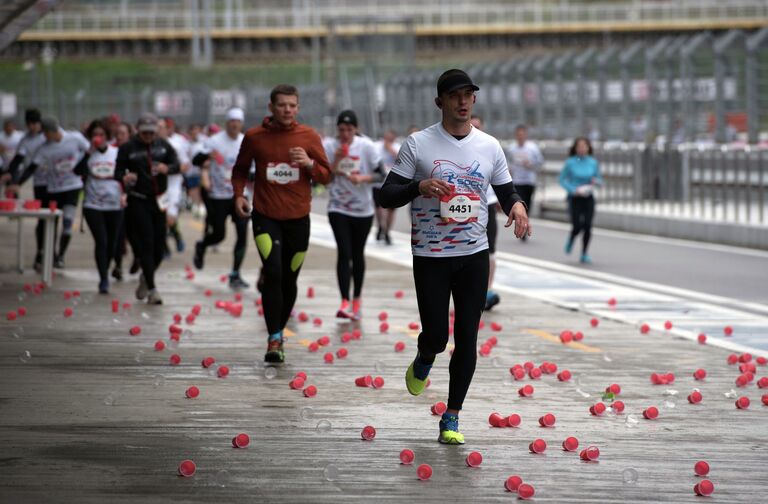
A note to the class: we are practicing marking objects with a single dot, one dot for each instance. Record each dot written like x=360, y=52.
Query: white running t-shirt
x=60, y=159
x=345, y=197
x=223, y=152
x=456, y=225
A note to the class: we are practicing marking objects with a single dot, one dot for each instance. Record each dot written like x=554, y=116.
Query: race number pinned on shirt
x=163, y=201
x=103, y=169
x=349, y=165
x=65, y=165
x=282, y=173
x=460, y=207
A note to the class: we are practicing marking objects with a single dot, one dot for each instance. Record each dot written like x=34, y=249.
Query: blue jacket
x=579, y=171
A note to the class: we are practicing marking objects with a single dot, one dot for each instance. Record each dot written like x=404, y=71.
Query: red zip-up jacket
x=281, y=190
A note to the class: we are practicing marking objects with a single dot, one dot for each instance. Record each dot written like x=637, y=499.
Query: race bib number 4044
x=282, y=173
x=460, y=208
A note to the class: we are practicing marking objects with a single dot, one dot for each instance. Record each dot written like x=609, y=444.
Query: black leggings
x=582, y=210
x=436, y=279
x=66, y=202
x=216, y=227
x=282, y=246
x=146, y=231
x=41, y=193
x=105, y=226
x=351, y=234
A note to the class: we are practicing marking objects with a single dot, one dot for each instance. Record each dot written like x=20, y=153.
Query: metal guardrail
x=720, y=183
x=153, y=16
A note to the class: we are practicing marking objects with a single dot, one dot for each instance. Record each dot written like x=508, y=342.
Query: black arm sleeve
x=121, y=164
x=397, y=191
x=508, y=196
x=28, y=171
x=82, y=166
x=15, y=163
x=200, y=158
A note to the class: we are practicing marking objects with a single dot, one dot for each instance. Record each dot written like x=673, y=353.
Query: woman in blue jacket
x=579, y=177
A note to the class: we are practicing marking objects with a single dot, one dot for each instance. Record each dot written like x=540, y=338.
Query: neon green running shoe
x=414, y=385
x=449, y=430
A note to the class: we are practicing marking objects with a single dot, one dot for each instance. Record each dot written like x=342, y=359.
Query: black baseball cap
x=454, y=79
x=347, y=117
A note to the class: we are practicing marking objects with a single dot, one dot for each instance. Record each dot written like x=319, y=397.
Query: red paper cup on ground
x=525, y=391
x=192, y=392
x=525, y=491
x=297, y=383
x=424, y=472
x=645, y=328
x=518, y=373
x=513, y=483
x=383, y=327
x=310, y=391
x=407, y=457
x=534, y=374
x=613, y=388
x=618, y=407
x=564, y=375
x=187, y=468
x=571, y=444
x=695, y=397
x=317, y=322
x=134, y=331
x=115, y=306
x=310, y=292
x=699, y=374
x=495, y=326
x=68, y=312
x=495, y=419
x=742, y=402
x=438, y=408
x=357, y=334
x=208, y=293
x=597, y=409
x=301, y=374
x=378, y=382
x=612, y=302
x=538, y=446
x=208, y=362
x=159, y=345
x=175, y=359
x=474, y=459
x=341, y=353
x=313, y=347
x=668, y=325
x=177, y=318
x=651, y=413
x=566, y=336
x=762, y=382
x=514, y=420
x=222, y=371
x=728, y=330
x=364, y=381
x=704, y=488
x=368, y=433
x=11, y=315
x=197, y=308
x=328, y=358
x=547, y=420
x=175, y=329
x=383, y=316
x=241, y=440
x=702, y=338
x=414, y=326
x=399, y=346
x=303, y=317
x=578, y=336
x=594, y=322
x=701, y=468
x=590, y=453
x=398, y=294
x=190, y=319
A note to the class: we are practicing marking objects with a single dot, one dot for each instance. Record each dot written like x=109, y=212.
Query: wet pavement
x=89, y=413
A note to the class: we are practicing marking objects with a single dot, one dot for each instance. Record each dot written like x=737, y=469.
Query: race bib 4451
x=282, y=173
x=460, y=208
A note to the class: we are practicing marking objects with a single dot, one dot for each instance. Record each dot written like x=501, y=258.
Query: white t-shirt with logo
x=60, y=159
x=517, y=153
x=344, y=196
x=470, y=165
x=223, y=152
x=102, y=191
x=27, y=147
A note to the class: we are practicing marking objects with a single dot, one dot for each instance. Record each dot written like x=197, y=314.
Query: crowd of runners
x=135, y=179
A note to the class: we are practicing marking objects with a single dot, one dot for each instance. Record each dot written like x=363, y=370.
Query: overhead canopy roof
x=18, y=15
